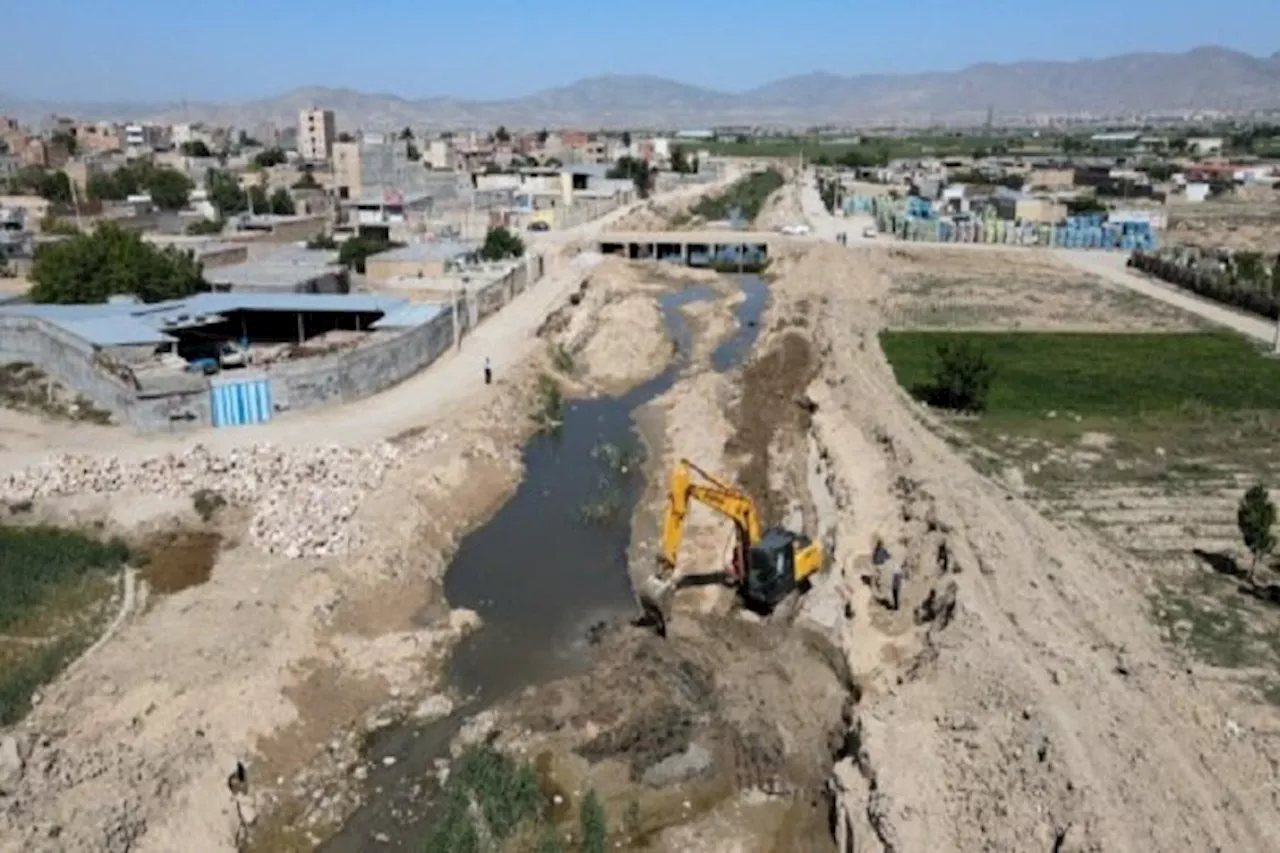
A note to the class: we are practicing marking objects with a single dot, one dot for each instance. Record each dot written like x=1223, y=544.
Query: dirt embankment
x=721, y=736
x=262, y=663
x=781, y=208
x=1020, y=699
x=613, y=336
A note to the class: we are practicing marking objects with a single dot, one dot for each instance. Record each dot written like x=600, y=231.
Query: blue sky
x=236, y=49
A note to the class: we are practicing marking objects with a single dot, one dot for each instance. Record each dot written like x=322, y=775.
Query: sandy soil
x=781, y=208
x=1014, y=289
x=1021, y=700
x=281, y=664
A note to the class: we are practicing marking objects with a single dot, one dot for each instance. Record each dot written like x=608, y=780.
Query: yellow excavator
x=766, y=565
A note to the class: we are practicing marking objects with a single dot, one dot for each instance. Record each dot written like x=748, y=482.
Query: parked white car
x=232, y=355
x=795, y=230
x=870, y=232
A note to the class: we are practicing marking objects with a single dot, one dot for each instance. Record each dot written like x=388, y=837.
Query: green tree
x=1255, y=517
x=205, y=226
x=195, y=148
x=247, y=141
x=499, y=243
x=110, y=261
x=543, y=136
x=406, y=134
x=593, y=824
x=501, y=135
x=635, y=169
x=257, y=200
x=355, y=251
x=169, y=188
x=269, y=157
x=411, y=151
x=680, y=161
x=346, y=137
x=280, y=203
x=225, y=193
x=961, y=378
x=66, y=140
x=307, y=181
x=55, y=187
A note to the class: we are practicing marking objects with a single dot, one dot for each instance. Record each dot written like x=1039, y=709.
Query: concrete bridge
x=690, y=247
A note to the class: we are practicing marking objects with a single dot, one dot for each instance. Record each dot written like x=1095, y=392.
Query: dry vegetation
x=1249, y=223
x=1023, y=290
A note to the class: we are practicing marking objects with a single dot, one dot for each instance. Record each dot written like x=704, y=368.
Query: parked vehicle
x=539, y=226
x=232, y=355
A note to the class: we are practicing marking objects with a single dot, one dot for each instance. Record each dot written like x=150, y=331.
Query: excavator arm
x=655, y=592
x=724, y=499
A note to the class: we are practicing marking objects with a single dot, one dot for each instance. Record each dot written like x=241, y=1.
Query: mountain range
x=1202, y=79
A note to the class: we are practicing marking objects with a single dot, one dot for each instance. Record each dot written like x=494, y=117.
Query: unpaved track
x=1049, y=715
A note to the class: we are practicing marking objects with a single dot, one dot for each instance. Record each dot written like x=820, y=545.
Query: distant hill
x=1206, y=78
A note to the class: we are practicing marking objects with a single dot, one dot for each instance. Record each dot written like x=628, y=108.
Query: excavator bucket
x=655, y=595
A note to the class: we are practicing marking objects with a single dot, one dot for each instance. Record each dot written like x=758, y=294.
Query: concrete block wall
x=69, y=360
x=363, y=371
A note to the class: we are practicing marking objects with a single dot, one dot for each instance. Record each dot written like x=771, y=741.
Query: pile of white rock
x=302, y=499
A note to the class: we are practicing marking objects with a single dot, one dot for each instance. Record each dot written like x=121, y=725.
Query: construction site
x=703, y=568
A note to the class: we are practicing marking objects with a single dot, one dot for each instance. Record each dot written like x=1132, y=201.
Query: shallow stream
x=539, y=574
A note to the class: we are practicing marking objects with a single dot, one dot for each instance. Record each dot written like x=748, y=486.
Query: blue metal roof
x=409, y=315
x=123, y=323
x=114, y=331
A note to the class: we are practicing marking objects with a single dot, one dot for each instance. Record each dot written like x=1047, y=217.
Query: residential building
x=346, y=169
x=418, y=260
x=317, y=132
x=142, y=139
x=440, y=155
x=1205, y=146
x=99, y=138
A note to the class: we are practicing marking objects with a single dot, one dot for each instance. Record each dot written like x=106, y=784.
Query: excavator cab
x=771, y=570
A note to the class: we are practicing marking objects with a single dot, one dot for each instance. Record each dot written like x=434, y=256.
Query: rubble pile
x=302, y=499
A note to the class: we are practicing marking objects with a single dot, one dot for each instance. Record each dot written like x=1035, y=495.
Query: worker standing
x=895, y=587
x=488, y=371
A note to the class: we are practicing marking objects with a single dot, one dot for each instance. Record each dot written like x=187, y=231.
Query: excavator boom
x=655, y=592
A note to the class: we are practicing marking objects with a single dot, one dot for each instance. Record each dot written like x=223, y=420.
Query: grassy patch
x=1102, y=374
x=1207, y=615
x=748, y=194
x=561, y=359
x=36, y=561
x=548, y=411
x=488, y=795
x=56, y=585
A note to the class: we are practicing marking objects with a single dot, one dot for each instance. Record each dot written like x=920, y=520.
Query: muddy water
x=538, y=576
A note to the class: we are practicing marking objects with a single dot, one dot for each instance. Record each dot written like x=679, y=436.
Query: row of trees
x=229, y=199
x=1245, y=280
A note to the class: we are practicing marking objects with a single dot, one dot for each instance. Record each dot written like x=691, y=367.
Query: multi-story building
x=142, y=138
x=317, y=131
x=99, y=138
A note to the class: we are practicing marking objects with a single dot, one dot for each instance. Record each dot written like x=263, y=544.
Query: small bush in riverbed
x=561, y=358
x=619, y=458
x=604, y=505
x=549, y=411
x=504, y=791
x=593, y=824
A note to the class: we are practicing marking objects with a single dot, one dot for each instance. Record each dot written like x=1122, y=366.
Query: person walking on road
x=488, y=371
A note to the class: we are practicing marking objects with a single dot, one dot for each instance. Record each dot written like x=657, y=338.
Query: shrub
x=207, y=502
x=593, y=824
x=961, y=378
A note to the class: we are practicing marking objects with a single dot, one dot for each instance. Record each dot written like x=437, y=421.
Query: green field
x=876, y=150
x=55, y=586
x=1102, y=374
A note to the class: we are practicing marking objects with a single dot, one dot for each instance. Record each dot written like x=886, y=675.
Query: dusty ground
x=1013, y=290
x=614, y=336
x=284, y=664
x=781, y=208
x=1023, y=700
x=1250, y=222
